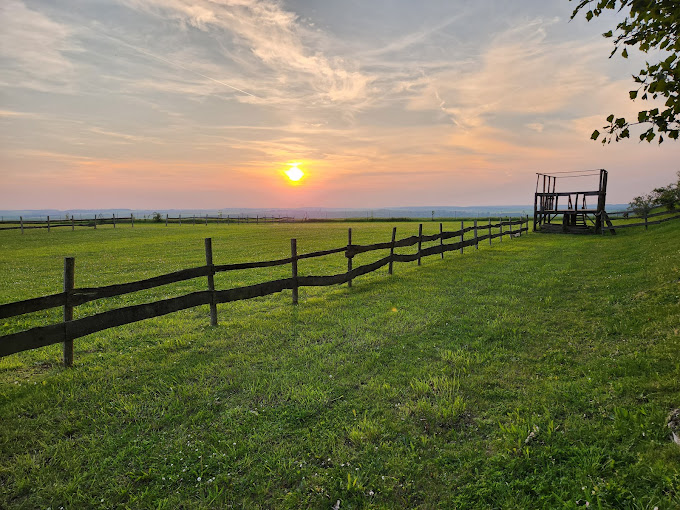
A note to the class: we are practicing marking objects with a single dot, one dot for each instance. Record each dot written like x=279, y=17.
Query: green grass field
x=536, y=373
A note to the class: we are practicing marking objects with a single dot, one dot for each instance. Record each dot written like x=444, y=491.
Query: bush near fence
x=65, y=332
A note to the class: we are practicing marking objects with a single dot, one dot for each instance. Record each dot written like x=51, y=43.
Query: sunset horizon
x=159, y=104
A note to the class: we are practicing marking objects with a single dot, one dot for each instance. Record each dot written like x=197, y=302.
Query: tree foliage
x=650, y=25
x=667, y=196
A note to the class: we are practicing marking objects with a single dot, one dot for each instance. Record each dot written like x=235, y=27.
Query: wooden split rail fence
x=72, y=222
x=68, y=330
x=49, y=224
x=630, y=215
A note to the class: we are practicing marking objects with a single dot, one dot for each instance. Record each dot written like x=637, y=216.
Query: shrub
x=642, y=205
x=667, y=197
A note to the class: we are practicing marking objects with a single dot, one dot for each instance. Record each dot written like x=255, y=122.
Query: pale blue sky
x=185, y=104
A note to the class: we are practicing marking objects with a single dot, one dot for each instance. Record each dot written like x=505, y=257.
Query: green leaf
x=642, y=117
x=633, y=94
x=610, y=118
x=624, y=53
x=595, y=135
x=589, y=15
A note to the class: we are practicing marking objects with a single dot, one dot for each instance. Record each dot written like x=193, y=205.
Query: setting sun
x=295, y=174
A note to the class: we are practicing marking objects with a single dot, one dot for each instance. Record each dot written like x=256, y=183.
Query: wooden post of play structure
x=420, y=241
x=462, y=235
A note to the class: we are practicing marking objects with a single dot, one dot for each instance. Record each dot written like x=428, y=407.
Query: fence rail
x=50, y=223
x=65, y=332
x=630, y=215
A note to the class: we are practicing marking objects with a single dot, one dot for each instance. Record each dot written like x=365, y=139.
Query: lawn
x=535, y=373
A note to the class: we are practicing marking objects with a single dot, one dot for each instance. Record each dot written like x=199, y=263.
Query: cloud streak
x=273, y=35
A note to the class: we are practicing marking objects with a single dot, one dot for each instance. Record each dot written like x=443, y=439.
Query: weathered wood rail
x=630, y=215
x=50, y=223
x=68, y=330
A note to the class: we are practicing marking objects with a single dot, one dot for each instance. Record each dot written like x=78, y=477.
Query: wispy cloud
x=276, y=37
x=33, y=48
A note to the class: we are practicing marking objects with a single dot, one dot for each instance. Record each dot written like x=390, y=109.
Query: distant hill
x=300, y=212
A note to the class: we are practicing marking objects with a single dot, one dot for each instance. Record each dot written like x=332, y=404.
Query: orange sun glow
x=295, y=174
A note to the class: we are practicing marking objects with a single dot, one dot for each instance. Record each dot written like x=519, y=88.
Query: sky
x=160, y=104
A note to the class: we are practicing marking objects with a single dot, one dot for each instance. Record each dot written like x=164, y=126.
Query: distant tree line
x=667, y=196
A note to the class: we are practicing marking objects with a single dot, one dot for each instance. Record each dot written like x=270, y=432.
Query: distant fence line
x=630, y=215
x=68, y=330
x=50, y=223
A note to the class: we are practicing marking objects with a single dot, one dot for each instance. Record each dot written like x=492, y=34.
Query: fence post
x=69, y=280
x=510, y=225
x=646, y=227
x=420, y=241
x=394, y=237
x=21, y=222
x=294, y=268
x=462, y=235
x=73, y=225
x=206, y=220
x=476, y=239
x=114, y=221
x=95, y=221
x=349, y=259
x=500, y=222
x=180, y=220
x=441, y=238
x=48, y=222
x=489, y=231
x=521, y=224
x=132, y=220
x=211, y=280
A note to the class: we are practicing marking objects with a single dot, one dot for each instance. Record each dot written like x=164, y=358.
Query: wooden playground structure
x=557, y=210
